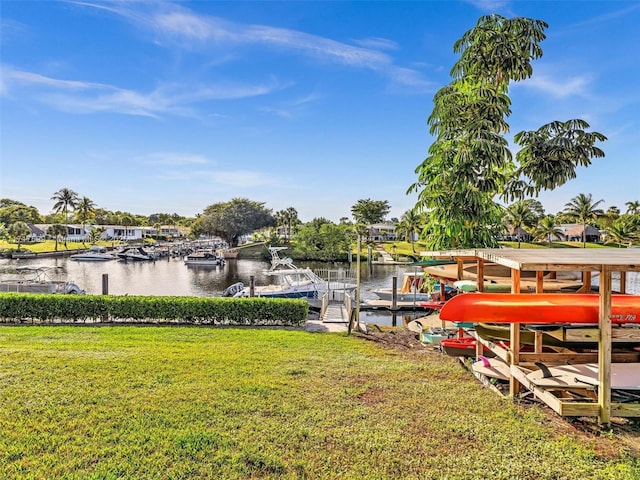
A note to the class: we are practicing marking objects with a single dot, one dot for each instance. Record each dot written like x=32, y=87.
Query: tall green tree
x=58, y=232
x=19, y=213
x=633, y=207
x=547, y=229
x=19, y=231
x=230, y=220
x=519, y=215
x=369, y=211
x=292, y=220
x=620, y=231
x=410, y=224
x=287, y=219
x=65, y=199
x=85, y=209
x=470, y=165
x=583, y=208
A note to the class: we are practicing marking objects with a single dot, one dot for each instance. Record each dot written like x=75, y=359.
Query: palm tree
x=95, y=234
x=633, y=207
x=582, y=208
x=519, y=215
x=280, y=219
x=547, y=229
x=65, y=198
x=620, y=232
x=291, y=219
x=57, y=231
x=85, y=209
x=126, y=220
x=19, y=231
x=409, y=225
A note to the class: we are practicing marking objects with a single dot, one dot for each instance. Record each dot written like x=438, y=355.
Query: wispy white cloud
x=605, y=18
x=559, y=88
x=75, y=96
x=292, y=108
x=226, y=179
x=174, y=23
x=378, y=43
x=174, y=158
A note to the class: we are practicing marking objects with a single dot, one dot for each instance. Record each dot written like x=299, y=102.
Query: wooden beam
x=604, y=347
x=540, y=281
x=480, y=278
x=623, y=282
x=515, y=281
x=618, y=334
x=537, y=342
x=563, y=358
x=514, y=348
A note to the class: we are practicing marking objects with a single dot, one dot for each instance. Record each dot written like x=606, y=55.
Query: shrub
x=30, y=308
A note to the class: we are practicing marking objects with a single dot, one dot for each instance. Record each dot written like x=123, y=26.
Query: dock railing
x=324, y=304
x=339, y=281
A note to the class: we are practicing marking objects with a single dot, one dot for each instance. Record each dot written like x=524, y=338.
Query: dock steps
x=335, y=313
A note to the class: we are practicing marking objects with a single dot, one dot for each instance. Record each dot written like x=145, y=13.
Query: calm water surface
x=171, y=276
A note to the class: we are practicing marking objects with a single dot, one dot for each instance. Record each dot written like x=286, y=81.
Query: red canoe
x=538, y=308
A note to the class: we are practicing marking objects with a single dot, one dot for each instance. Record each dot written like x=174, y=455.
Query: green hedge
x=30, y=308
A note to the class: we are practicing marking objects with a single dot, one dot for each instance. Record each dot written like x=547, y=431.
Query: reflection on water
x=171, y=276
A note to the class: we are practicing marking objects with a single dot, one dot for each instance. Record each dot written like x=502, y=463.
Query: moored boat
x=37, y=279
x=294, y=282
x=94, y=254
x=206, y=259
x=135, y=254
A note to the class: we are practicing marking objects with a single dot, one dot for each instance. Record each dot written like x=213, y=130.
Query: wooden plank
x=500, y=352
x=560, y=358
x=564, y=408
x=335, y=313
x=480, y=275
x=593, y=334
x=604, y=347
x=625, y=409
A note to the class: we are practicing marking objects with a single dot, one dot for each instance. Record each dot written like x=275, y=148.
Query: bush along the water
x=30, y=308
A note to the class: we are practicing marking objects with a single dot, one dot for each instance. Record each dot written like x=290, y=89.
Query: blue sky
x=169, y=107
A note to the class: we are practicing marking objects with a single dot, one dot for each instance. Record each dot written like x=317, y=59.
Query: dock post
x=394, y=293
x=105, y=284
x=252, y=286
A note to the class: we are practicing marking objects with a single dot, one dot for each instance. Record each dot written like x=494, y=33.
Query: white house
x=381, y=232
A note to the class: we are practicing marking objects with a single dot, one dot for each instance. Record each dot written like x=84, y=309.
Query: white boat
x=37, y=279
x=206, y=259
x=293, y=282
x=94, y=254
x=135, y=254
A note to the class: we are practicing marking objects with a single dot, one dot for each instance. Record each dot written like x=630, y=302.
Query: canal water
x=170, y=276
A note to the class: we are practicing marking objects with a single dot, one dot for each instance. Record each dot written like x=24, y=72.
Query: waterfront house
x=382, y=232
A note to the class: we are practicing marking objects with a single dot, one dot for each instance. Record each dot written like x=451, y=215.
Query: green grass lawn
x=225, y=403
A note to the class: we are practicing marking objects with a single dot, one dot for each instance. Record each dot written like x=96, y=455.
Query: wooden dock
x=335, y=313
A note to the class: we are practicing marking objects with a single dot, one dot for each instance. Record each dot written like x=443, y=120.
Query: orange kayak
x=539, y=308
